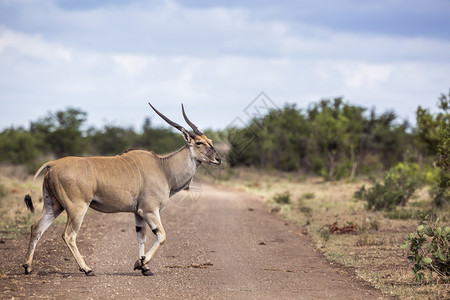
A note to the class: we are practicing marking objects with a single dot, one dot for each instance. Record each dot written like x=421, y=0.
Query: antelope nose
x=218, y=159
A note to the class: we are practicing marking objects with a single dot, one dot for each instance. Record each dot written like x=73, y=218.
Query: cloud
x=33, y=46
x=110, y=59
x=175, y=29
x=133, y=65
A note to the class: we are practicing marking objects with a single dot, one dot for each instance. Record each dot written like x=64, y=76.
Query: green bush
x=18, y=146
x=429, y=250
x=433, y=137
x=342, y=170
x=283, y=198
x=60, y=132
x=324, y=234
x=442, y=187
x=399, y=185
x=330, y=138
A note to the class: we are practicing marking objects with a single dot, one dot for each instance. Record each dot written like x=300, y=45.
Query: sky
x=218, y=58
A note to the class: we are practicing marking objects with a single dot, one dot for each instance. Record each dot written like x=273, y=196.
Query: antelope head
x=201, y=147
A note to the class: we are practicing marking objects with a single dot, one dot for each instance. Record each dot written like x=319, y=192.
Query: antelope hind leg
x=51, y=210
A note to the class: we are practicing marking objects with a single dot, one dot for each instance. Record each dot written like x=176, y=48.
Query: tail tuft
x=29, y=202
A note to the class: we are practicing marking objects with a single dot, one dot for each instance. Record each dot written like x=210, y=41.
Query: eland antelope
x=136, y=181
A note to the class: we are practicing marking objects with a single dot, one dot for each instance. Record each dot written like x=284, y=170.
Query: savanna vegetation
x=381, y=203
x=337, y=140
x=370, y=243
x=361, y=183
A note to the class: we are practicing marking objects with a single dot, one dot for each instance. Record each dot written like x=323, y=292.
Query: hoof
x=138, y=265
x=28, y=270
x=89, y=273
x=147, y=272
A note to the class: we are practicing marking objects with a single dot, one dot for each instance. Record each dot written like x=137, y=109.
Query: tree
x=336, y=129
x=434, y=137
x=111, y=140
x=18, y=146
x=277, y=140
x=60, y=133
x=283, y=139
x=159, y=140
x=330, y=138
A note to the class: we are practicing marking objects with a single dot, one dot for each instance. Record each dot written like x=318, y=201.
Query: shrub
x=399, y=185
x=306, y=210
x=18, y=146
x=429, y=249
x=367, y=239
x=442, y=189
x=324, y=233
x=308, y=195
x=433, y=136
x=283, y=198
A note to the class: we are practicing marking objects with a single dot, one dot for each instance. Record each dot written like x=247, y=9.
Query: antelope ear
x=187, y=135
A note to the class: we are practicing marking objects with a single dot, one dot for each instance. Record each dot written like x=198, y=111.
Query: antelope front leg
x=141, y=228
x=154, y=221
x=74, y=219
x=140, y=232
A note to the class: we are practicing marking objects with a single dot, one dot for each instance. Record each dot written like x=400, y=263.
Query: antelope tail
x=27, y=199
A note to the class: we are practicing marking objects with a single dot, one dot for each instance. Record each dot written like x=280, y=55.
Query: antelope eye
x=199, y=143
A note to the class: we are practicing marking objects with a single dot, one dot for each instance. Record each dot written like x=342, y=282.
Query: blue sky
x=109, y=58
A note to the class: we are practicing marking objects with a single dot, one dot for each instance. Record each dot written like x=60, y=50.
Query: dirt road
x=226, y=246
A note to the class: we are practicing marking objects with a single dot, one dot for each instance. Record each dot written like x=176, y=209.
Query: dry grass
x=14, y=217
x=373, y=252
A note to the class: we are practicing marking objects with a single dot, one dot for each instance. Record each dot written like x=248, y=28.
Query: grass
x=15, y=219
x=283, y=198
x=373, y=252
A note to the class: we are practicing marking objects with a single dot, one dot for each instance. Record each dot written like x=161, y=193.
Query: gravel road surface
x=226, y=246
